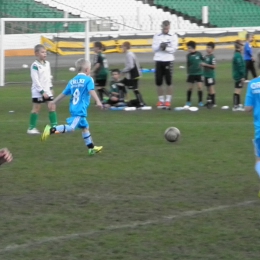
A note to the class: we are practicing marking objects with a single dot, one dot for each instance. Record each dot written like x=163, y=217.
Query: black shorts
x=163, y=70
x=131, y=83
x=209, y=82
x=41, y=100
x=100, y=82
x=194, y=78
x=238, y=84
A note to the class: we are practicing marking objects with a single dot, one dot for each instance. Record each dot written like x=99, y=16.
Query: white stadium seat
x=126, y=12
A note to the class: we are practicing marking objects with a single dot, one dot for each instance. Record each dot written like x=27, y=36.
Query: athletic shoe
x=33, y=131
x=201, y=104
x=160, y=104
x=46, y=133
x=246, y=81
x=241, y=108
x=167, y=104
x=235, y=109
x=215, y=105
x=188, y=104
x=96, y=149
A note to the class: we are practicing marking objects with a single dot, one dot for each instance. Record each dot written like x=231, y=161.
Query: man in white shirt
x=164, y=47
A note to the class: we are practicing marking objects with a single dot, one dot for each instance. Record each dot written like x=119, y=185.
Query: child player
x=239, y=70
x=100, y=70
x=118, y=91
x=41, y=88
x=194, y=70
x=209, y=66
x=80, y=89
x=252, y=103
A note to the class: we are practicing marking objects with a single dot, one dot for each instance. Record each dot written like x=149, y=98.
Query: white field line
x=163, y=219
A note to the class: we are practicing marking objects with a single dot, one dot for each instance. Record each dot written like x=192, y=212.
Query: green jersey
x=210, y=60
x=194, y=60
x=116, y=85
x=238, y=66
x=102, y=72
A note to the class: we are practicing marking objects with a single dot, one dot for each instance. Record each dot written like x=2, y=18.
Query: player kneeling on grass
x=239, y=70
x=118, y=91
x=209, y=66
x=252, y=103
x=194, y=70
x=80, y=89
x=41, y=88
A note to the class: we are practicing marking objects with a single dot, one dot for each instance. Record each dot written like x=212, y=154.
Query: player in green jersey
x=194, y=70
x=239, y=72
x=209, y=66
x=100, y=70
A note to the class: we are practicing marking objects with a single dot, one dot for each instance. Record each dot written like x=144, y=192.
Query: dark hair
x=248, y=35
x=127, y=45
x=238, y=44
x=100, y=46
x=115, y=71
x=191, y=44
x=166, y=23
x=38, y=47
x=211, y=44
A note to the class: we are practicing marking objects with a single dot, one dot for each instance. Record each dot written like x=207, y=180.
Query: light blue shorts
x=256, y=143
x=77, y=122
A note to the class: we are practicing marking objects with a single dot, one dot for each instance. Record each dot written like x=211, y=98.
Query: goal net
x=66, y=40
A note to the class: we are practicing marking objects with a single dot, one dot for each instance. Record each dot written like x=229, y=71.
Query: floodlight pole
x=87, y=37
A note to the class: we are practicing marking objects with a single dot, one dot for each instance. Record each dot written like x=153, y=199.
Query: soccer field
x=141, y=198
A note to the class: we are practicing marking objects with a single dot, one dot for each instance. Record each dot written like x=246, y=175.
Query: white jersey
x=41, y=79
x=172, y=46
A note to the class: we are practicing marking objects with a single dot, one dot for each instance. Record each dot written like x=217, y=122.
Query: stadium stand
x=124, y=14
x=121, y=15
x=222, y=13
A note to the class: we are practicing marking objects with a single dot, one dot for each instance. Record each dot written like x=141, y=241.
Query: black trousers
x=250, y=66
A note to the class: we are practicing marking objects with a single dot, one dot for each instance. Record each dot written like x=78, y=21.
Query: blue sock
x=257, y=168
x=64, y=128
x=88, y=140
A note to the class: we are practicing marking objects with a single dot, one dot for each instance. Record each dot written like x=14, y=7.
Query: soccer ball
x=172, y=134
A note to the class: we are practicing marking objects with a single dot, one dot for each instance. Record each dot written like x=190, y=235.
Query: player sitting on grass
x=41, y=88
x=100, y=70
x=118, y=91
x=80, y=89
x=194, y=70
x=239, y=70
x=209, y=66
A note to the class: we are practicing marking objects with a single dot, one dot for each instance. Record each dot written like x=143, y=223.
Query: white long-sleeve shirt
x=130, y=63
x=172, y=46
x=41, y=79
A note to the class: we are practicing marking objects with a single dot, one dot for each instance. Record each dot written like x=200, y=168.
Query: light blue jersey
x=253, y=100
x=78, y=88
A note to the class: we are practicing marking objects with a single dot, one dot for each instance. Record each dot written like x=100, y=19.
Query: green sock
x=33, y=120
x=53, y=118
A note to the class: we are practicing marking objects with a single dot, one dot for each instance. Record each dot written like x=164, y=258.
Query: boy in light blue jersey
x=80, y=89
x=252, y=103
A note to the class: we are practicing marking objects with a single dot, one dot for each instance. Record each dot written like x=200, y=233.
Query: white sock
x=161, y=98
x=168, y=98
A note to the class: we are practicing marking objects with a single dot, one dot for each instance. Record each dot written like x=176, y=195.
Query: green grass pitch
x=141, y=198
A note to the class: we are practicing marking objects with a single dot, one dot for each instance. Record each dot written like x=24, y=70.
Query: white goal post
x=3, y=22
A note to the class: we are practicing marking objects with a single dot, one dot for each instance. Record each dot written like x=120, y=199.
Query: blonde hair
x=82, y=64
x=38, y=47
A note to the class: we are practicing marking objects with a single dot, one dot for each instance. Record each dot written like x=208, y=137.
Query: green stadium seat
x=237, y=13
